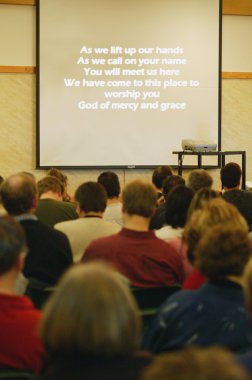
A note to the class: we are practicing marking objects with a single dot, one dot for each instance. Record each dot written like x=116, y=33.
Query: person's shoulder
x=248, y=194
x=182, y=299
x=236, y=193
x=20, y=303
x=104, y=240
x=70, y=206
x=177, y=303
x=165, y=245
x=50, y=231
x=66, y=224
x=30, y=310
x=101, y=244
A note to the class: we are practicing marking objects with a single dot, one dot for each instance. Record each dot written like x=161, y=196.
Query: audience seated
x=91, y=328
x=49, y=252
x=158, y=219
x=135, y=251
x=195, y=364
x=215, y=314
x=20, y=346
x=177, y=203
x=231, y=180
x=198, y=179
x=51, y=208
x=110, y=181
x=92, y=198
x=158, y=177
x=216, y=212
x=176, y=206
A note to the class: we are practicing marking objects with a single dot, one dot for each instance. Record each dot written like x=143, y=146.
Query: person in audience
x=231, y=180
x=51, y=208
x=158, y=177
x=215, y=314
x=158, y=220
x=177, y=203
x=20, y=346
x=49, y=252
x=110, y=181
x=63, y=179
x=198, y=179
x=135, y=251
x=216, y=212
x=246, y=359
x=193, y=363
x=92, y=199
x=176, y=206
x=91, y=327
x=201, y=199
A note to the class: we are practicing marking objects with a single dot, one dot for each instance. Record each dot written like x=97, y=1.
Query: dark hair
x=18, y=193
x=176, y=206
x=12, y=243
x=198, y=179
x=230, y=175
x=50, y=183
x=91, y=196
x=159, y=175
x=170, y=182
x=110, y=181
x=223, y=251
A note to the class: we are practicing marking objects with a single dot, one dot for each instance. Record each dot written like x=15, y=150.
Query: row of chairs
x=148, y=300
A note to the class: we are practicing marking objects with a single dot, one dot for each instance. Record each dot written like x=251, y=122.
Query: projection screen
x=121, y=83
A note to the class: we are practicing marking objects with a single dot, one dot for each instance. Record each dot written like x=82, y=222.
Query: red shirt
x=140, y=256
x=20, y=346
x=194, y=281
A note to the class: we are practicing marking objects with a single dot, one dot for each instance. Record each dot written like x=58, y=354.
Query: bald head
x=19, y=194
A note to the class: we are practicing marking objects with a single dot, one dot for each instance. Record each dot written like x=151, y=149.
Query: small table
x=221, y=160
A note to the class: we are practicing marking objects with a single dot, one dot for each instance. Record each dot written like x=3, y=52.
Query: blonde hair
x=195, y=364
x=216, y=212
x=201, y=199
x=91, y=313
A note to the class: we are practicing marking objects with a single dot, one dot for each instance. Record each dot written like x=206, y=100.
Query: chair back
x=16, y=374
x=38, y=292
x=150, y=299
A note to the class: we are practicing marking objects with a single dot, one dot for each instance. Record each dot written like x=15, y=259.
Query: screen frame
x=81, y=167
